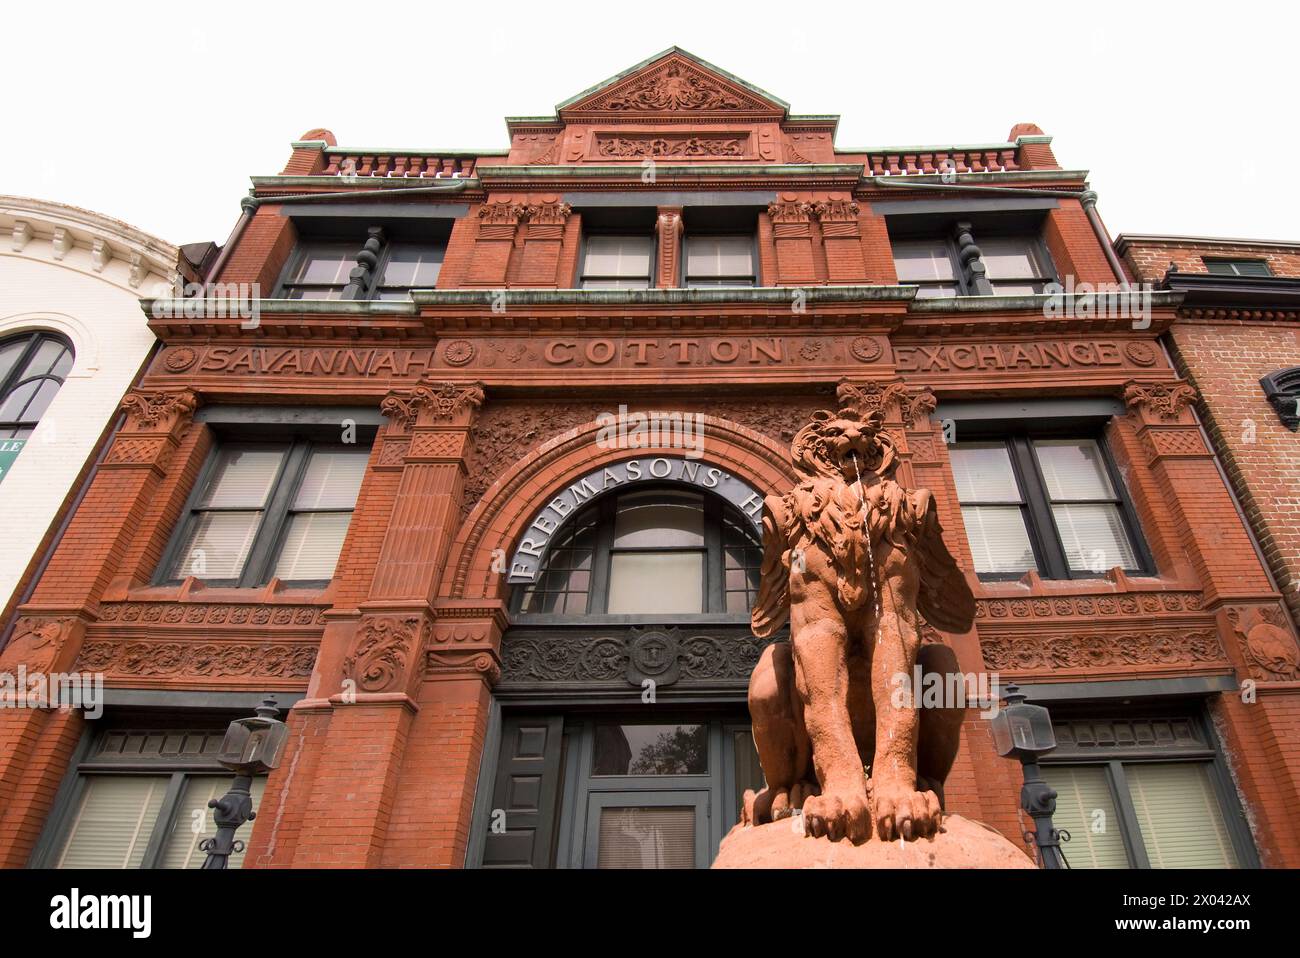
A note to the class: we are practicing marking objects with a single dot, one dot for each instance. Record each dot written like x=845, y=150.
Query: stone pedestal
x=962, y=844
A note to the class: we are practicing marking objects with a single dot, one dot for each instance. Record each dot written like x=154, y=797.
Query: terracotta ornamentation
x=853, y=560
x=1166, y=400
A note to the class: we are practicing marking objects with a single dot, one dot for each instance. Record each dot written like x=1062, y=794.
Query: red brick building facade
x=413, y=496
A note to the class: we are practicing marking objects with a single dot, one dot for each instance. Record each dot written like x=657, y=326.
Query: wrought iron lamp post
x=252, y=746
x=1024, y=732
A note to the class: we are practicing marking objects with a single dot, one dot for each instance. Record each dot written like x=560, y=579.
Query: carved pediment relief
x=674, y=85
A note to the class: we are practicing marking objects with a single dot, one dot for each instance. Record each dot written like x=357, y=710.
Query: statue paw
x=902, y=812
x=837, y=815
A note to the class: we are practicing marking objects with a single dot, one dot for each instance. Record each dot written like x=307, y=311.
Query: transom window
x=32, y=368
x=1237, y=267
x=266, y=509
x=1045, y=503
x=722, y=260
x=618, y=262
x=651, y=552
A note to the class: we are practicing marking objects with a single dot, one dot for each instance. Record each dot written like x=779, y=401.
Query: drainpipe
x=1089, y=201
x=249, y=205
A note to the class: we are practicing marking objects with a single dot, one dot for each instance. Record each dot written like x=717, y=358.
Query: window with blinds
x=618, y=262
x=1144, y=789
x=647, y=837
x=720, y=260
x=139, y=798
x=193, y=821
x=114, y=822
x=1047, y=503
x=1085, y=809
x=269, y=509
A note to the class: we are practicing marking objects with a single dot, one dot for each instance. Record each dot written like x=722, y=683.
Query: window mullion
x=1128, y=823
x=598, y=599
x=166, y=819
x=274, y=514
x=1042, y=524
x=714, y=600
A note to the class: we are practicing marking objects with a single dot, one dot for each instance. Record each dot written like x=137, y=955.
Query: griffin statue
x=853, y=561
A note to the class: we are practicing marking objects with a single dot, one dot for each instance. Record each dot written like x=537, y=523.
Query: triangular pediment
x=673, y=83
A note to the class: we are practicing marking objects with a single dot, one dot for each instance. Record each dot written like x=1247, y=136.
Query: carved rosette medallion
x=1270, y=651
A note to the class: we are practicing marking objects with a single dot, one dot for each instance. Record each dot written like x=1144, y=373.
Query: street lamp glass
x=254, y=745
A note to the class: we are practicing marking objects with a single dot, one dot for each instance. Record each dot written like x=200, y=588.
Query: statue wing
x=772, y=606
x=945, y=597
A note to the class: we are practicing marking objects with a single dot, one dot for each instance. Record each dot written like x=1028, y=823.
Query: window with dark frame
x=321, y=269
x=1044, y=502
x=720, y=260
x=1143, y=790
x=268, y=509
x=618, y=261
x=1014, y=265
x=32, y=369
x=648, y=552
x=1236, y=267
x=137, y=797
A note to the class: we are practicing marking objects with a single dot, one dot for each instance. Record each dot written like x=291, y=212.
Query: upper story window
x=1009, y=263
x=266, y=510
x=618, y=262
x=320, y=271
x=1049, y=503
x=1237, y=267
x=650, y=552
x=323, y=268
x=720, y=260
x=409, y=266
x=32, y=368
x=1015, y=265
x=929, y=264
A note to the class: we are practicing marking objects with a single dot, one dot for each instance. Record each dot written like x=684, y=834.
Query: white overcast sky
x=157, y=113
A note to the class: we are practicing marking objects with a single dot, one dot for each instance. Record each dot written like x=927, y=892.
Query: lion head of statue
x=845, y=446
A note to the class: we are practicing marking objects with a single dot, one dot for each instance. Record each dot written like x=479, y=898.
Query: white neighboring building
x=70, y=288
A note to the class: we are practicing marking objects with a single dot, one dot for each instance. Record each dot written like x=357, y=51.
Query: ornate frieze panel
x=720, y=656
x=625, y=146
x=1091, y=650
x=208, y=660
x=182, y=615
x=1105, y=606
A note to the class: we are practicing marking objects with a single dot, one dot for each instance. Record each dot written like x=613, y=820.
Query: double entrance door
x=617, y=790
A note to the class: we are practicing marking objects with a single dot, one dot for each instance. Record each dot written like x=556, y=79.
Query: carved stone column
x=36, y=742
